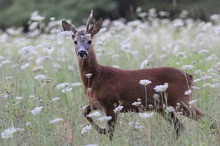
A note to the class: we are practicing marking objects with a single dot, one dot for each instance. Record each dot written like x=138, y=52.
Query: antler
x=90, y=21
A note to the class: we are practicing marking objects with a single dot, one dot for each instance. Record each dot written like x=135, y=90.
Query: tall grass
x=43, y=85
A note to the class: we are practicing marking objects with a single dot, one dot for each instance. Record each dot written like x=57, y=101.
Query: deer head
x=83, y=39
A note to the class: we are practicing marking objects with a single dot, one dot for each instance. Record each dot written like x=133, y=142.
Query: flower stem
x=145, y=93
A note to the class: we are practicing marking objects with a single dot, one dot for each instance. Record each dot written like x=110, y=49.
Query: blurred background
x=17, y=13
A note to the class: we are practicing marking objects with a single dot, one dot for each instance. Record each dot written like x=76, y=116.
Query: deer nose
x=82, y=53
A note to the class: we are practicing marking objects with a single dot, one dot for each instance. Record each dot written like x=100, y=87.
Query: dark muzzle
x=82, y=54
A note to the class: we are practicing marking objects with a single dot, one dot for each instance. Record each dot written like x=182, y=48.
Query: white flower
x=42, y=59
x=36, y=17
x=169, y=109
x=62, y=85
x=116, y=66
x=26, y=50
x=144, y=82
x=14, y=31
x=163, y=13
x=40, y=77
x=89, y=75
x=133, y=123
x=55, y=98
x=188, y=92
x=137, y=103
x=66, y=90
x=211, y=57
x=181, y=54
x=206, y=84
x=114, y=56
x=1, y=57
x=105, y=118
x=210, y=70
x=36, y=110
x=94, y=114
x=198, y=71
x=33, y=25
x=18, y=98
x=206, y=77
x=56, y=65
x=215, y=85
x=204, y=51
x=86, y=129
x=5, y=61
x=32, y=96
x=7, y=133
x=8, y=77
x=118, y=109
x=195, y=88
x=56, y=120
x=13, y=66
x=142, y=14
x=24, y=66
x=192, y=102
x=65, y=34
x=89, y=90
x=215, y=17
x=177, y=23
x=144, y=63
x=197, y=80
x=136, y=125
x=27, y=123
x=4, y=95
x=146, y=114
x=125, y=44
x=37, y=68
x=187, y=67
x=156, y=96
x=76, y=84
x=161, y=88
x=92, y=145
x=152, y=13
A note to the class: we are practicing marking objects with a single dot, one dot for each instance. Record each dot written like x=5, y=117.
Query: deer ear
x=68, y=27
x=97, y=26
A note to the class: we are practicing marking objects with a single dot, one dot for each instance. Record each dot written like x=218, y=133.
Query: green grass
x=156, y=43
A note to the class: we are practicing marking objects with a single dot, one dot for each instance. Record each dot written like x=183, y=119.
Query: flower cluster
x=145, y=82
x=146, y=115
x=118, y=109
x=161, y=88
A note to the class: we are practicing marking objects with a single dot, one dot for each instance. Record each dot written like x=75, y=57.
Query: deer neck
x=89, y=65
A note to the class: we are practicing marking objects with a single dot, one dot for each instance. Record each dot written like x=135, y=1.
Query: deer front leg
x=111, y=123
x=172, y=119
x=86, y=111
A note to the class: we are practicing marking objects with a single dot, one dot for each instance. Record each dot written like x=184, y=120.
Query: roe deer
x=108, y=87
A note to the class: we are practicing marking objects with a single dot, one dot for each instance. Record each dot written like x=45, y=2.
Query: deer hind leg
x=191, y=111
x=86, y=111
x=194, y=113
x=111, y=123
x=172, y=119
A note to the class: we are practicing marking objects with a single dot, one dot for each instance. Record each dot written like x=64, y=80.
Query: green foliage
x=198, y=9
x=17, y=12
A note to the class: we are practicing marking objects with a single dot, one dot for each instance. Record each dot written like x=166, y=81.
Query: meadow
x=41, y=94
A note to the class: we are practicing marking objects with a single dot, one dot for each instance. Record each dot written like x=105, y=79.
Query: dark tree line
x=17, y=12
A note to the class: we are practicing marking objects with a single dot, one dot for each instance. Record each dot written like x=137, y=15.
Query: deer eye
x=75, y=42
x=90, y=41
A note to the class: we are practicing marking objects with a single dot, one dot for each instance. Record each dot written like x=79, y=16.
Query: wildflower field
x=41, y=94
